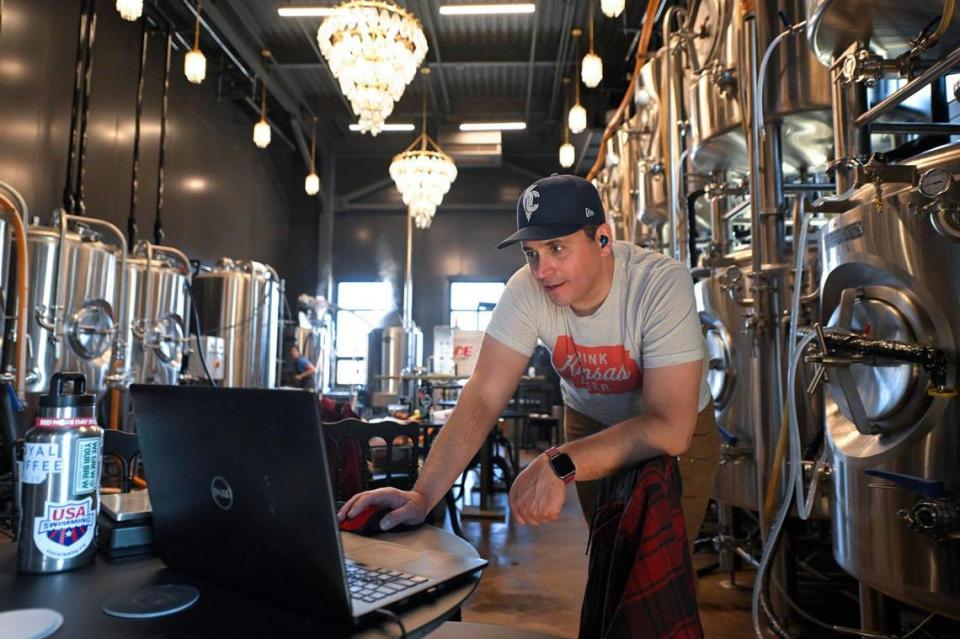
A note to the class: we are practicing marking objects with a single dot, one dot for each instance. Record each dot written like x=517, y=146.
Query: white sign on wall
x=466, y=350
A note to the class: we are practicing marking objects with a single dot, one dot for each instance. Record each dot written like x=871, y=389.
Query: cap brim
x=540, y=232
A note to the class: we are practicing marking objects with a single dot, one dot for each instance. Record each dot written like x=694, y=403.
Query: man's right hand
x=406, y=506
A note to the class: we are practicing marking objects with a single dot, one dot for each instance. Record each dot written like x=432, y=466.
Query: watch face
x=562, y=465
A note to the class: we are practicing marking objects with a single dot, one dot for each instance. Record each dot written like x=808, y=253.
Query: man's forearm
x=625, y=444
x=457, y=443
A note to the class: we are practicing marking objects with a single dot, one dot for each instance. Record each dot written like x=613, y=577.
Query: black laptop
x=241, y=497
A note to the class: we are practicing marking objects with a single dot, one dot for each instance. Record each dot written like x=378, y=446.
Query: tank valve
x=938, y=518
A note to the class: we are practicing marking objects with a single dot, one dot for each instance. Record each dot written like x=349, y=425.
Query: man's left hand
x=537, y=494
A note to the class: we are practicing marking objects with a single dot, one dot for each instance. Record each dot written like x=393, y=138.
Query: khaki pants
x=698, y=466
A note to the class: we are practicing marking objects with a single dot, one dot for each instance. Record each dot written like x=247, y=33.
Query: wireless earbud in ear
x=604, y=240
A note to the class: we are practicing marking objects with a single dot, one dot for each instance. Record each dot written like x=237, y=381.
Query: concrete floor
x=536, y=578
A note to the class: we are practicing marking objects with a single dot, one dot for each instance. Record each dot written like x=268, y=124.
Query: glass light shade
x=591, y=70
x=567, y=155
x=373, y=49
x=195, y=66
x=577, y=118
x=612, y=8
x=312, y=184
x=261, y=134
x=130, y=9
x=423, y=178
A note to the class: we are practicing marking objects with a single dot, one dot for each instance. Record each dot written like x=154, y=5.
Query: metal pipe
x=914, y=127
x=408, y=279
x=79, y=206
x=68, y=203
x=735, y=211
x=132, y=217
x=848, y=100
x=808, y=187
x=674, y=114
x=23, y=289
x=897, y=97
x=161, y=164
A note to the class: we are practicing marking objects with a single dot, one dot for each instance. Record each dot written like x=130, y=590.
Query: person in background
x=305, y=371
x=622, y=326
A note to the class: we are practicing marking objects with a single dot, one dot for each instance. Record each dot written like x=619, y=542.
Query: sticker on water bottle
x=40, y=460
x=86, y=475
x=65, y=529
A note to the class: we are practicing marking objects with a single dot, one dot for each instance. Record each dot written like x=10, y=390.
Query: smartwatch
x=562, y=465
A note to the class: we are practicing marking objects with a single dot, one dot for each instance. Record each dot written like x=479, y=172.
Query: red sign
x=602, y=370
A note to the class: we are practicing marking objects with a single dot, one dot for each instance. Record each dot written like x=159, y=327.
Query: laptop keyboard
x=373, y=584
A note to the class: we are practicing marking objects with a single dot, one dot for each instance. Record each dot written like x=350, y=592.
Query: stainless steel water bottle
x=60, y=481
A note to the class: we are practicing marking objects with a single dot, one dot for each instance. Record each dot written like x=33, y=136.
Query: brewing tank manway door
x=90, y=330
x=892, y=393
x=721, y=375
x=166, y=338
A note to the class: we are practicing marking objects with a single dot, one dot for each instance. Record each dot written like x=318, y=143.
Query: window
x=361, y=306
x=471, y=303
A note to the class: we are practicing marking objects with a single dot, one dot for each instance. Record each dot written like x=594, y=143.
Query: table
x=78, y=596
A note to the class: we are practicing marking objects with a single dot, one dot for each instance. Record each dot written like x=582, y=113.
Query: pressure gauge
x=935, y=183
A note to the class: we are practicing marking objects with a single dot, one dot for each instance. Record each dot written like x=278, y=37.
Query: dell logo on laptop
x=221, y=492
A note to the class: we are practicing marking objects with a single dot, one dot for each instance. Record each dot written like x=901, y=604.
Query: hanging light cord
x=196, y=30
x=592, y=11
x=313, y=148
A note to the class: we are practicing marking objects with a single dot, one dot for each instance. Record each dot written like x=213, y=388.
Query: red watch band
x=552, y=453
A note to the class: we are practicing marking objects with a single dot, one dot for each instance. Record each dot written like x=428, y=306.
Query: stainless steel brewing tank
x=650, y=123
x=84, y=298
x=730, y=377
x=155, y=341
x=391, y=351
x=796, y=93
x=887, y=26
x=240, y=302
x=902, y=271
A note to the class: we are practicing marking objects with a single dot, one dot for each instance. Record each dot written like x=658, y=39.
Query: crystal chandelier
x=612, y=8
x=423, y=173
x=373, y=49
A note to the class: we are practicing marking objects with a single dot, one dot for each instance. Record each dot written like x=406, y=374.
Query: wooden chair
x=392, y=463
x=387, y=464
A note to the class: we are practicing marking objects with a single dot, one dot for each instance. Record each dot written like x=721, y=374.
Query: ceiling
x=483, y=67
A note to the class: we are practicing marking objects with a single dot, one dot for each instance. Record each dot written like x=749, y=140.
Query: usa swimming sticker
x=39, y=461
x=65, y=529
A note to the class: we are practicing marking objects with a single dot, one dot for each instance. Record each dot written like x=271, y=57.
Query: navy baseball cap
x=556, y=206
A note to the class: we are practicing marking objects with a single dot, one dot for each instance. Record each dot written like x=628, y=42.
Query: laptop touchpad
x=383, y=555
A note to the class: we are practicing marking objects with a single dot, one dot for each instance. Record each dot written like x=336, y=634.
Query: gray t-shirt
x=648, y=320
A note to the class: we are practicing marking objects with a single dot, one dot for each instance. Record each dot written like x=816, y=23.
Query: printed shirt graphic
x=648, y=320
x=602, y=370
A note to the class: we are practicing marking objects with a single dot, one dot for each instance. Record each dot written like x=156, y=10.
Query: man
x=623, y=328
x=305, y=371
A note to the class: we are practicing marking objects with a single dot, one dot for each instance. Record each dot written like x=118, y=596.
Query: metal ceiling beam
x=432, y=34
x=370, y=189
x=249, y=56
x=532, y=62
x=449, y=208
x=449, y=64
